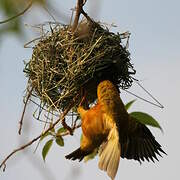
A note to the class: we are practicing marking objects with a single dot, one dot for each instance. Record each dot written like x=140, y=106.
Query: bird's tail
x=109, y=155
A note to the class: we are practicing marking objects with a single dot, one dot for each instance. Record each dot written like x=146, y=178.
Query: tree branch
x=79, y=7
x=24, y=109
x=3, y=164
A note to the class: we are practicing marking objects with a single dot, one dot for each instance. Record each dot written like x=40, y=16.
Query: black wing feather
x=138, y=143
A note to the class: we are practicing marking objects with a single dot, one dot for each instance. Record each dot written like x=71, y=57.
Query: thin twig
x=75, y=126
x=3, y=164
x=67, y=127
x=24, y=109
x=67, y=132
x=86, y=16
x=19, y=14
x=18, y=149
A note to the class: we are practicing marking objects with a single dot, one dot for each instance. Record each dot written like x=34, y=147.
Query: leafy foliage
x=61, y=130
x=60, y=141
x=129, y=104
x=46, y=148
x=146, y=119
x=55, y=135
x=142, y=117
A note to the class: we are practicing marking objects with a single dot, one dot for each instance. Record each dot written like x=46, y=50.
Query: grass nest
x=63, y=63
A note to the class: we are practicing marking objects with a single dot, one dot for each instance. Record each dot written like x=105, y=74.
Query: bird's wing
x=138, y=143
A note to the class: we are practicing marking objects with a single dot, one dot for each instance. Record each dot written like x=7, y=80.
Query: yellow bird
x=108, y=127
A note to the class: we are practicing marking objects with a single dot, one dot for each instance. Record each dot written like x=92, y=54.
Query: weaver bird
x=108, y=127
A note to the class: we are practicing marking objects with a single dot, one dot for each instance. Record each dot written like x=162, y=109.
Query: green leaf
x=129, y=104
x=61, y=130
x=46, y=148
x=146, y=119
x=60, y=141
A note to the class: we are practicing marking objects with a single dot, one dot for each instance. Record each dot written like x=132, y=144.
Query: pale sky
x=154, y=47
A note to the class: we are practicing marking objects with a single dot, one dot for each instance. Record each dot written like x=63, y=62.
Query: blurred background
x=154, y=47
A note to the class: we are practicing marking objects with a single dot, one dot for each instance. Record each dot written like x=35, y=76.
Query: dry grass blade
x=63, y=62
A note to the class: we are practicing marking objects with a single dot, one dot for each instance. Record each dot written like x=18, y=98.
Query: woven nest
x=63, y=63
